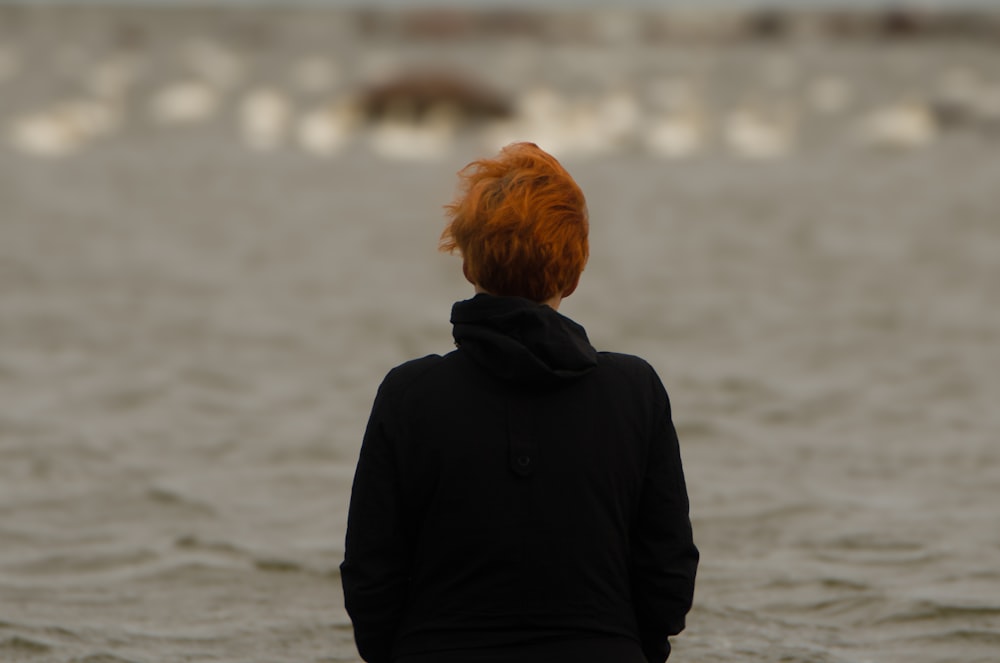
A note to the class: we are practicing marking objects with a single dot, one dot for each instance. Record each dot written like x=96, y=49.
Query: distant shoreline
x=719, y=21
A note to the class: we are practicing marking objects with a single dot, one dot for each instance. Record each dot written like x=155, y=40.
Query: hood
x=520, y=340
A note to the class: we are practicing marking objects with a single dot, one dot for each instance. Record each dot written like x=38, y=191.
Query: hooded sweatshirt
x=519, y=494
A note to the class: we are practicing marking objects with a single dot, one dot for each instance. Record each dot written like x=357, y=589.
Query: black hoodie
x=522, y=489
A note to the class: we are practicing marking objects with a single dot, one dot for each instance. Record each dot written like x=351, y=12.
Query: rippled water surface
x=191, y=335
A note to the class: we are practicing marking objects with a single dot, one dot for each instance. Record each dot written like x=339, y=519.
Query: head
x=520, y=225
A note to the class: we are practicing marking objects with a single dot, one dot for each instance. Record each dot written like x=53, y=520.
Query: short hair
x=520, y=223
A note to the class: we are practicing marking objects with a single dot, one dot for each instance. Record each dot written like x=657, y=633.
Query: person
x=520, y=498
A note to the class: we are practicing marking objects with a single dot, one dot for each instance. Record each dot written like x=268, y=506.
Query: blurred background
x=218, y=231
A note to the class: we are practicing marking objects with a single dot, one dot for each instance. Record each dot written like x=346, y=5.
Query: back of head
x=520, y=224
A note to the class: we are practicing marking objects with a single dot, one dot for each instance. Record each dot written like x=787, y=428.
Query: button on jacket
x=521, y=493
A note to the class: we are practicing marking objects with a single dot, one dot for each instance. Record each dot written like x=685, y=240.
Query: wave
x=18, y=645
x=936, y=611
x=964, y=635
x=84, y=561
x=101, y=658
x=171, y=497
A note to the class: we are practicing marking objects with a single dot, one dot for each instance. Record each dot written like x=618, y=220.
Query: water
x=191, y=334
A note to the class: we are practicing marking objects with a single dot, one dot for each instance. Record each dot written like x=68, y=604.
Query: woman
x=520, y=498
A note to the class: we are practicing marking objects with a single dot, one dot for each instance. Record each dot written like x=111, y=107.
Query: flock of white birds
x=668, y=119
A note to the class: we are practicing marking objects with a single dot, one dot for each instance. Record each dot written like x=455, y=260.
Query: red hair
x=520, y=224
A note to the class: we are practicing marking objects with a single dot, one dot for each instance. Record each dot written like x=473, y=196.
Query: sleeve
x=375, y=569
x=664, y=557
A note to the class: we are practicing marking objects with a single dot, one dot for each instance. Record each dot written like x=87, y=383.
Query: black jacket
x=522, y=488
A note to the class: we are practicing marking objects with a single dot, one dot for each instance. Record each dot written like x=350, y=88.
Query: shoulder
x=410, y=372
x=634, y=371
x=631, y=365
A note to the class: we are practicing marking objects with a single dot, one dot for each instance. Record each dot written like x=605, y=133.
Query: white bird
x=325, y=131
x=264, y=118
x=400, y=136
x=64, y=128
x=184, y=102
x=676, y=134
x=540, y=105
x=583, y=130
x=620, y=116
x=567, y=128
x=44, y=135
x=677, y=126
x=539, y=115
x=898, y=127
x=757, y=135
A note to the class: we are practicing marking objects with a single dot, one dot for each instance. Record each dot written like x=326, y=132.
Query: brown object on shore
x=419, y=93
x=901, y=23
x=768, y=24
